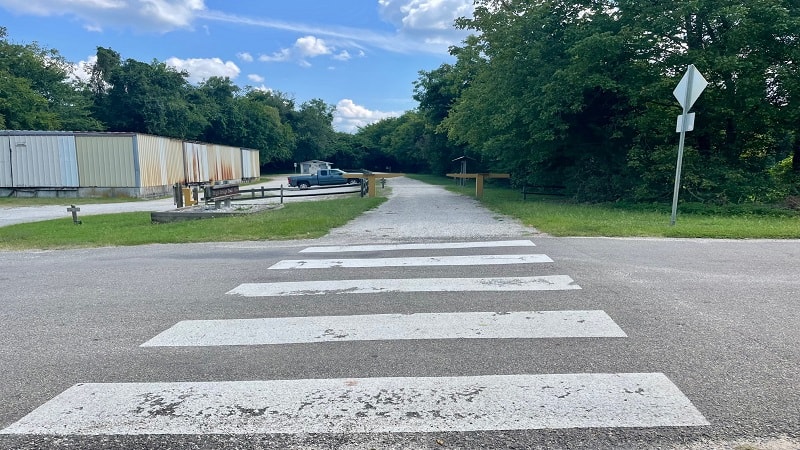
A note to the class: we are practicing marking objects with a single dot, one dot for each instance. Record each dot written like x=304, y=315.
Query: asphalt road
x=718, y=318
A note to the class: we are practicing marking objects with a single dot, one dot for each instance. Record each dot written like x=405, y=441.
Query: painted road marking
x=476, y=260
x=332, y=287
x=373, y=327
x=365, y=405
x=429, y=246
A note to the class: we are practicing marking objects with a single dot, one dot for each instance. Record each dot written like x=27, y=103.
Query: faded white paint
x=476, y=260
x=428, y=246
x=373, y=327
x=365, y=405
x=346, y=287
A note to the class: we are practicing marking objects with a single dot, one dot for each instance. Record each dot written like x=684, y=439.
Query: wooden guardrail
x=372, y=179
x=479, y=178
x=220, y=193
x=542, y=189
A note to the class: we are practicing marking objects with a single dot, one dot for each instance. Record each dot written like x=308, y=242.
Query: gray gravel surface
x=418, y=212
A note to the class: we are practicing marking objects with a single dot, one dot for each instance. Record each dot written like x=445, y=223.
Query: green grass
x=561, y=217
x=301, y=220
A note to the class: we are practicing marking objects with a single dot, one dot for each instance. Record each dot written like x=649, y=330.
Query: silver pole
x=684, y=125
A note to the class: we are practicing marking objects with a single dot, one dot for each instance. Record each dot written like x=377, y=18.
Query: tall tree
x=36, y=91
x=313, y=128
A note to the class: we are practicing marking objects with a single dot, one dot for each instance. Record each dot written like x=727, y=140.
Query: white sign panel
x=689, y=123
x=690, y=87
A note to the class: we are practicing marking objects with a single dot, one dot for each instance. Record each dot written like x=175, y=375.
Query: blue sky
x=361, y=56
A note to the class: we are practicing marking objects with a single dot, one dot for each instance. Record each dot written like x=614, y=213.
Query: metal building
x=88, y=164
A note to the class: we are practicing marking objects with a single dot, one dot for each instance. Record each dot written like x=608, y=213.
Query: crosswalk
x=378, y=405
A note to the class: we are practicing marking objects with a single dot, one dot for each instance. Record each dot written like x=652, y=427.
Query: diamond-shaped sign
x=690, y=87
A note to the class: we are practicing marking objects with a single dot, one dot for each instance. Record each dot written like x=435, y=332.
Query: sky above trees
x=361, y=56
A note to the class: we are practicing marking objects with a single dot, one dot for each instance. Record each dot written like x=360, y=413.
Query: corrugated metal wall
x=5, y=162
x=195, y=158
x=160, y=160
x=138, y=163
x=224, y=163
x=39, y=161
x=106, y=161
x=251, y=166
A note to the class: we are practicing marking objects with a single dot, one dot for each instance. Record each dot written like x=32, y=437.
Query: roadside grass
x=561, y=217
x=300, y=220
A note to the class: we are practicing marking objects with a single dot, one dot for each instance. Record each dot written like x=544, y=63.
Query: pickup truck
x=321, y=178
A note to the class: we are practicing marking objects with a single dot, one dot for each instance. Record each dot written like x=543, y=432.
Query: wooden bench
x=543, y=189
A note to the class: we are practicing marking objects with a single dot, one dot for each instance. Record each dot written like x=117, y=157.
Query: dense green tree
x=37, y=92
x=147, y=98
x=313, y=128
x=347, y=153
x=261, y=127
x=580, y=93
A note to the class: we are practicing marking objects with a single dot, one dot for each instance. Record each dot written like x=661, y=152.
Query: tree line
x=579, y=93
x=39, y=92
x=572, y=93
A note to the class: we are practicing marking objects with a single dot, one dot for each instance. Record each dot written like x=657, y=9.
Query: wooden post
x=74, y=210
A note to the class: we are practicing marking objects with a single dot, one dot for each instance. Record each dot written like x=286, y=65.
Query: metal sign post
x=689, y=88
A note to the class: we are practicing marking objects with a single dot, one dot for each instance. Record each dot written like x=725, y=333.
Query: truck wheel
x=303, y=185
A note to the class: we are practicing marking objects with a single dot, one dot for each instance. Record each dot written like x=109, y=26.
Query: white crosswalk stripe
x=374, y=286
x=378, y=405
x=372, y=327
x=478, y=260
x=429, y=246
x=365, y=405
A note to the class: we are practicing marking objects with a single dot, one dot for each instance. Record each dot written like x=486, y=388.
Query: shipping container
x=251, y=166
x=38, y=160
x=195, y=158
x=6, y=178
x=224, y=163
x=106, y=160
x=115, y=164
x=160, y=161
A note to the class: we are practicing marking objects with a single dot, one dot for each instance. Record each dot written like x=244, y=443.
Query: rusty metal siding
x=224, y=163
x=195, y=157
x=160, y=160
x=106, y=160
x=39, y=160
x=251, y=167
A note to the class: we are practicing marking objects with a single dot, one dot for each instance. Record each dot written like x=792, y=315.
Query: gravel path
x=418, y=211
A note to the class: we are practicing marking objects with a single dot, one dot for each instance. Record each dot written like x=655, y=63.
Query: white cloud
x=348, y=116
x=149, y=15
x=82, y=71
x=283, y=55
x=255, y=78
x=429, y=21
x=421, y=26
x=304, y=47
x=205, y=68
x=244, y=56
x=344, y=55
x=311, y=46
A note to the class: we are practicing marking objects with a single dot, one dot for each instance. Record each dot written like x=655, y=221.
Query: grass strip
x=301, y=220
x=563, y=217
